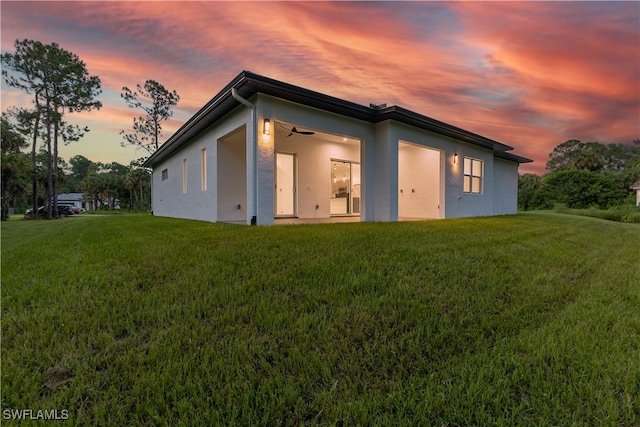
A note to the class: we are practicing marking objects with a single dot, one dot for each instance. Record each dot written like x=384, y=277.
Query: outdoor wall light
x=266, y=128
x=455, y=159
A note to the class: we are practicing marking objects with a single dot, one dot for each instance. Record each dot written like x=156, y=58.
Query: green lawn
x=522, y=320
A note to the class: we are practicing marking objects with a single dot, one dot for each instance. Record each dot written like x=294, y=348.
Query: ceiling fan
x=301, y=132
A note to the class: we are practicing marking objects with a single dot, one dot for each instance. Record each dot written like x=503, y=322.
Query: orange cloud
x=530, y=74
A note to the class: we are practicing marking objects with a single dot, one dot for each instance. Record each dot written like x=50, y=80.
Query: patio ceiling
x=282, y=131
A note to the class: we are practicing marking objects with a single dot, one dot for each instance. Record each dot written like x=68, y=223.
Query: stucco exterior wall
x=231, y=173
x=419, y=182
x=458, y=203
x=505, y=182
x=168, y=198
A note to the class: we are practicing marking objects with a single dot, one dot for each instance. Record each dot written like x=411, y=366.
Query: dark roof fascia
x=427, y=123
x=310, y=98
x=512, y=157
x=248, y=84
x=197, y=123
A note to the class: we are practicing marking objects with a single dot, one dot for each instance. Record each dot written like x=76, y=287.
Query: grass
x=521, y=320
x=623, y=213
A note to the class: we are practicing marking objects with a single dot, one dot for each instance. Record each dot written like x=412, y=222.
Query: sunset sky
x=528, y=74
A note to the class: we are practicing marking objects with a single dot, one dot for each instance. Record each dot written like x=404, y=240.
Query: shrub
x=580, y=189
x=633, y=218
x=623, y=213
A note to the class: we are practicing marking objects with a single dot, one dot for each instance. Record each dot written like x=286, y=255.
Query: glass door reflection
x=345, y=185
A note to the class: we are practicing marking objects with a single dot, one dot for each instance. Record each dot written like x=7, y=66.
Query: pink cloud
x=578, y=64
x=530, y=74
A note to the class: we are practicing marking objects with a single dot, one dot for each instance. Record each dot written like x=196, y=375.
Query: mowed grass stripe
x=520, y=320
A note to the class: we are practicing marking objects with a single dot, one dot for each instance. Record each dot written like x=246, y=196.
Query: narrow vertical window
x=472, y=176
x=165, y=174
x=184, y=176
x=203, y=169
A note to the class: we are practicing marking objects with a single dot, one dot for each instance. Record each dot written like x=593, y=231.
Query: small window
x=203, y=169
x=184, y=176
x=165, y=174
x=472, y=175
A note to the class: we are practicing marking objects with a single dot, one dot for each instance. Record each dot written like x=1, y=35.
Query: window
x=184, y=175
x=165, y=174
x=472, y=175
x=203, y=169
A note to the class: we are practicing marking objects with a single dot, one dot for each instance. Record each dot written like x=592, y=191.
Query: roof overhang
x=249, y=84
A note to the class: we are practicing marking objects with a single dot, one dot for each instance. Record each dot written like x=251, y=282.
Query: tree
x=138, y=182
x=92, y=186
x=593, y=156
x=528, y=191
x=60, y=83
x=15, y=166
x=583, y=175
x=79, y=168
x=105, y=185
x=156, y=101
x=29, y=124
x=580, y=189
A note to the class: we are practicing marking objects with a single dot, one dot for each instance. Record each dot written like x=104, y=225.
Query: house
x=636, y=187
x=75, y=200
x=263, y=149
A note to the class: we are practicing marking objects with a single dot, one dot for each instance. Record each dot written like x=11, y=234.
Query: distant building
x=636, y=187
x=72, y=199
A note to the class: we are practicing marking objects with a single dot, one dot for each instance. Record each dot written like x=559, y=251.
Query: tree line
x=583, y=175
x=104, y=185
x=60, y=84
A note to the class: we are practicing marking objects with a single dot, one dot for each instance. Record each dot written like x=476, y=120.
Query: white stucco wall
x=419, y=182
x=385, y=173
x=167, y=196
x=455, y=201
x=232, y=177
x=505, y=185
x=458, y=203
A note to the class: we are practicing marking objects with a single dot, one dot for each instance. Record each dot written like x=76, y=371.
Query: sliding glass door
x=345, y=184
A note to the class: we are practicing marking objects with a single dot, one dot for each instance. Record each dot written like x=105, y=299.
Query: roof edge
x=395, y=112
x=510, y=156
x=199, y=115
x=254, y=83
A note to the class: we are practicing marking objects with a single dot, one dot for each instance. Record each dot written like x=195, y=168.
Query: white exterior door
x=285, y=187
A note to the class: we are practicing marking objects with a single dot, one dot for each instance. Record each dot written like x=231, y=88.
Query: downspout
x=254, y=144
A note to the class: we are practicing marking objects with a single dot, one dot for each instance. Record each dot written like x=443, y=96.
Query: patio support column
x=251, y=161
x=386, y=173
x=264, y=162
